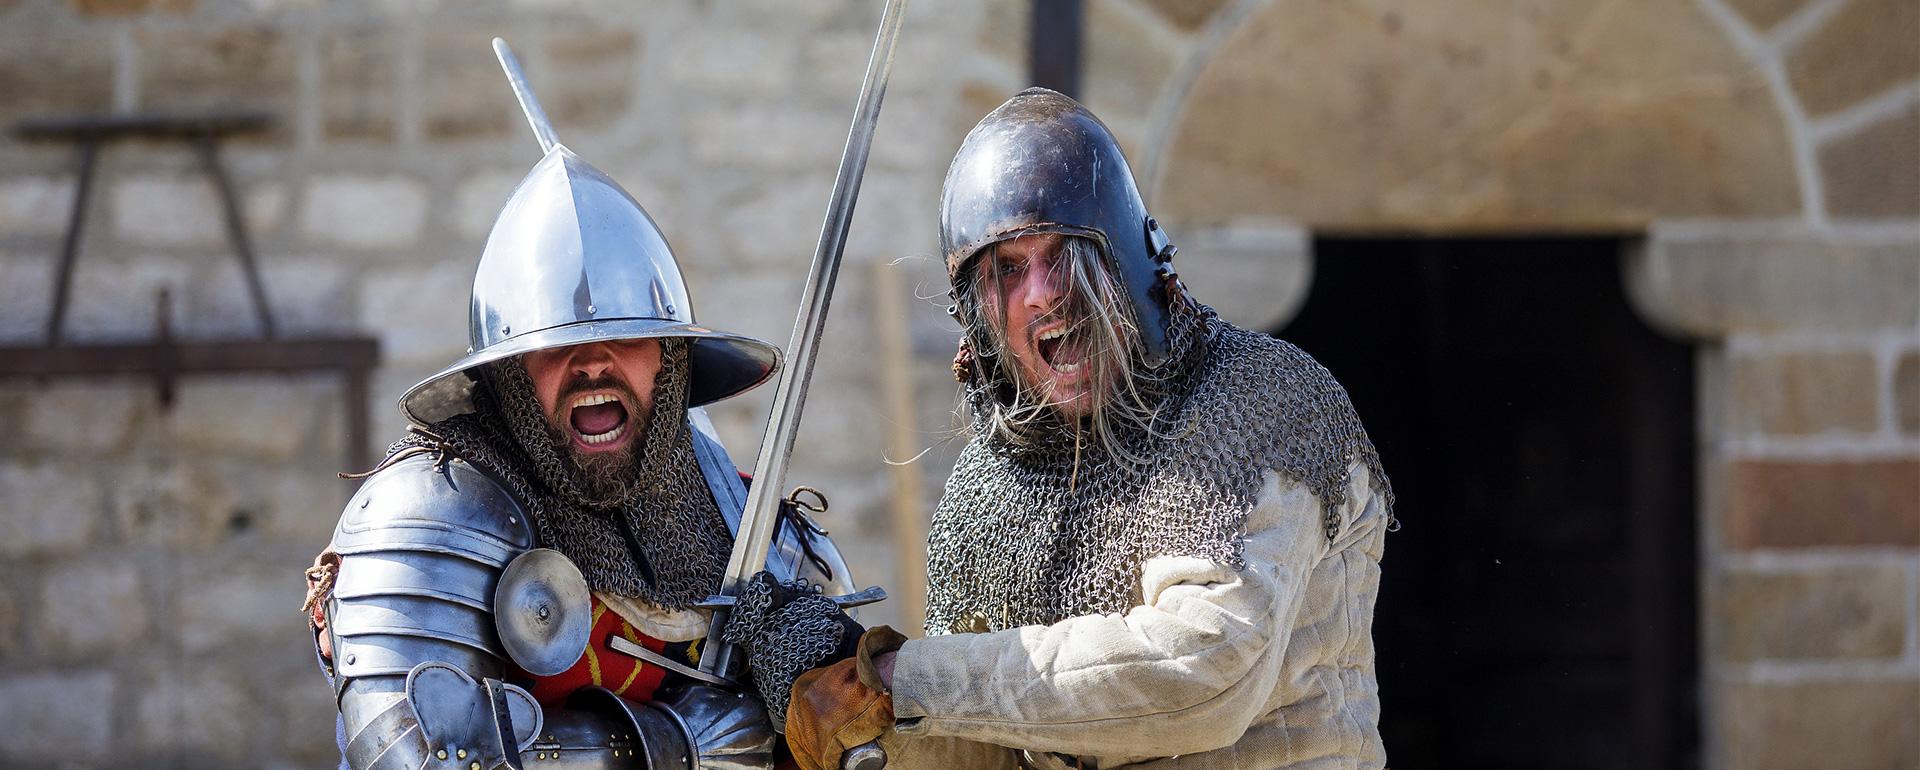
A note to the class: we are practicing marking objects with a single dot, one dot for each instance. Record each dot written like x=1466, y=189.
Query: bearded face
x=597, y=401
x=1051, y=313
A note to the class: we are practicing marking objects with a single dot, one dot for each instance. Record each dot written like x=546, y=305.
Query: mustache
x=604, y=382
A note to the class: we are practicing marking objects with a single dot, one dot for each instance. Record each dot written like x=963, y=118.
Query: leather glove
x=787, y=629
x=841, y=706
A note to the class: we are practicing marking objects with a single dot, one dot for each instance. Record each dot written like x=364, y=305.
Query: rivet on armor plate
x=441, y=753
x=591, y=310
x=474, y=766
x=460, y=753
x=351, y=657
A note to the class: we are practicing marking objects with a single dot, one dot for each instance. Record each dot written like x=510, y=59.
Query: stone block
x=308, y=295
x=1255, y=277
x=419, y=312
x=769, y=136
x=177, y=505
x=89, y=607
x=898, y=216
x=47, y=71
x=262, y=417
x=462, y=96
x=1839, y=613
x=479, y=198
x=780, y=224
x=206, y=712
x=591, y=84
x=26, y=296
x=1804, y=393
x=1875, y=174
x=1853, y=723
x=1906, y=393
x=112, y=300
x=35, y=205
x=1134, y=59
x=238, y=605
x=304, y=502
x=1485, y=116
x=207, y=66
x=1797, y=504
x=307, y=713
x=167, y=210
x=783, y=15
x=122, y=8
x=734, y=61
x=1763, y=14
x=1867, y=47
x=1187, y=15
x=367, y=212
x=88, y=418
x=1715, y=286
x=57, y=716
x=1003, y=35
x=51, y=509
x=12, y=617
x=837, y=63
x=358, y=82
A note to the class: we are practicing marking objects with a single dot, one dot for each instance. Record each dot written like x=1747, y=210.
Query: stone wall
x=150, y=557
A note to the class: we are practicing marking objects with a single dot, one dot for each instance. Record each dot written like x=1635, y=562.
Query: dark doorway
x=1537, y=606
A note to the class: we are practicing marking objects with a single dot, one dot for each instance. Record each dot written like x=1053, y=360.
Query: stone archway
x=1478, y=116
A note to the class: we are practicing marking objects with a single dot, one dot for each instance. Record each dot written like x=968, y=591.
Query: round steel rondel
x=542, y=611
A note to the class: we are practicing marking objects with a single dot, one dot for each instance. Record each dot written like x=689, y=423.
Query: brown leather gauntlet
x=835, y=708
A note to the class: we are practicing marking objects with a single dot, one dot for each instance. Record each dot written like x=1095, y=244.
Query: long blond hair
x=1101, y=318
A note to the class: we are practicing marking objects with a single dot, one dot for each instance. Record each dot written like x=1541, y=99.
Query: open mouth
x=1062, y=352
x=598, y=419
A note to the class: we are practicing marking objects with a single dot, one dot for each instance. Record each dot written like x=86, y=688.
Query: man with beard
x=560, y=491
x=1161, y=546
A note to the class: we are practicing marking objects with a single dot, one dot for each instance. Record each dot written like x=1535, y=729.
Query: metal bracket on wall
x=164, y=358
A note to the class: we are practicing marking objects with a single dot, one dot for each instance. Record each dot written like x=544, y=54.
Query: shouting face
x=1043, y=320
x=597, y=397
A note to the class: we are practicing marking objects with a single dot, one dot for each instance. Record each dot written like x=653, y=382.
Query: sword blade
x=758, y=520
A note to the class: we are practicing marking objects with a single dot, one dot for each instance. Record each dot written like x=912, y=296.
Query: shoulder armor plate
x=421, y=504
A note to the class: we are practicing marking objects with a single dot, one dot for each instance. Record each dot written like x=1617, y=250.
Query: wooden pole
x=909, y=524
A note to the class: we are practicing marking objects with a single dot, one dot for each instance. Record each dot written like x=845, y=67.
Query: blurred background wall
x=1718, y=199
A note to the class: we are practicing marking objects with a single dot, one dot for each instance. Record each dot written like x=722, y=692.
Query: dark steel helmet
x=573, y=259
x=1041, y=163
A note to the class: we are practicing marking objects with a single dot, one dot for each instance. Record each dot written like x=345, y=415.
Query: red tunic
x=600, y=665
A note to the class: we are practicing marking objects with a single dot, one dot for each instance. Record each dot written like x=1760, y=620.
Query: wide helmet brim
x=721, y=364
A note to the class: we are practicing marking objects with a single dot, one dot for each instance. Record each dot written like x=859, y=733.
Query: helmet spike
x=530, y=104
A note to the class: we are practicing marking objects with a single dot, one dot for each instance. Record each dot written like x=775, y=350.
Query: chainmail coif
x=663, y=541
x=1052, y=527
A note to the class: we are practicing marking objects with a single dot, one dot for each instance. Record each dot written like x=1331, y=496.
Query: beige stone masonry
x=1487, y=116
x=1837, y=613
x=1867, y=47
x=1804, y=393
x=1824, y=724
x=358, y=82
x=1875, y=173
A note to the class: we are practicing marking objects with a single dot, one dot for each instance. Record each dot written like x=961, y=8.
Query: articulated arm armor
x=421, y=667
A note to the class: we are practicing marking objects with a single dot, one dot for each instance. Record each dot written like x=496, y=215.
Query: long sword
x=758, y=520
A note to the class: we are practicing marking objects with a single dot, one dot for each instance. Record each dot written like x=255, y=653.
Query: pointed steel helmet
x=1041, y=163
x=573, y=259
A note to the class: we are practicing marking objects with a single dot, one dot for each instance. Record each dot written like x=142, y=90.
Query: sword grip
x=866, y=756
